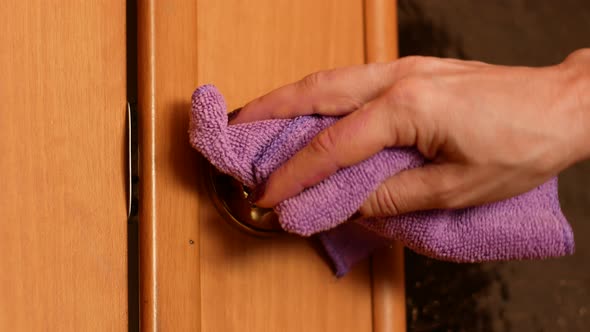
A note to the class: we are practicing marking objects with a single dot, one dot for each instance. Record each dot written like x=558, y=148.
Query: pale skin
x=489, y=132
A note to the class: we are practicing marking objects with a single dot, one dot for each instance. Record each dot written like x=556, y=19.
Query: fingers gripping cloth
x=529, y=226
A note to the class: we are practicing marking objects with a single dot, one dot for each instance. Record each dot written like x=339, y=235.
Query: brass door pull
x=231, y=200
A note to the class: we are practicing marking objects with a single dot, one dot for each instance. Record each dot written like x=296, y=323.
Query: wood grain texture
x=62, y=144
x=169, y=201
x=389, y=305
x=225, y=280
x=381, y=30
x=279, y=284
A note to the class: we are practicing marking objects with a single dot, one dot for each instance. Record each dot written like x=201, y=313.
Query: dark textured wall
x=552, y=295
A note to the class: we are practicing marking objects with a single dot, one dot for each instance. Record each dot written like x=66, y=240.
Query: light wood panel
x=169, y=201
x=389, y=305
x=247, y=49
x=199, y=273
x=62, y=136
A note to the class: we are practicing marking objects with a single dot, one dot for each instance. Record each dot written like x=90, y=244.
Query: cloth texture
x=528, y=226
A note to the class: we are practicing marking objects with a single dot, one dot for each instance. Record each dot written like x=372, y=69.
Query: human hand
x=490, y=132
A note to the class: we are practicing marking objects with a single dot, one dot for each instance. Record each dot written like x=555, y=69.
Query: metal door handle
x=231, y=200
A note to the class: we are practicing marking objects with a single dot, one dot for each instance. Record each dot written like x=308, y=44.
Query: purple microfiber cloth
x=529, y=226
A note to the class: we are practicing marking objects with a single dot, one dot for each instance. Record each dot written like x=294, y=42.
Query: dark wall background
x=552, y=295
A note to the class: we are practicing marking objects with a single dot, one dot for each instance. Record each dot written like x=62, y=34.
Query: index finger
x=352, y=139
x=332, y=92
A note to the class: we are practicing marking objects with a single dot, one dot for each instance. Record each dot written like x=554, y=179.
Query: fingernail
x=233, y=114
x=257, y=193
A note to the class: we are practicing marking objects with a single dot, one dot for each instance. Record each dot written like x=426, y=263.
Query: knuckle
x=580, y=54
x=384, y=203
x=446, y=194
x=313, y=80
x=414, y=63
x=407, y=91
x=324, y=143
x=439, y=189
x=451, y=202
x=411, y=61
x=444, y=200
x=414, y=95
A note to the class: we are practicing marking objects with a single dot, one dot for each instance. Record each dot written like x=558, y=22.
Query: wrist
x=576, y=73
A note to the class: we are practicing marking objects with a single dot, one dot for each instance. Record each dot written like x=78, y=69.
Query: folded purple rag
x=529, y=226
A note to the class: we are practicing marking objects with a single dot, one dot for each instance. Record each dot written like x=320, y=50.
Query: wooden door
x=198, y=273
x=62, y=143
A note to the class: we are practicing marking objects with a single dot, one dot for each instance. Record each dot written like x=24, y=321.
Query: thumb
x=433, y=186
